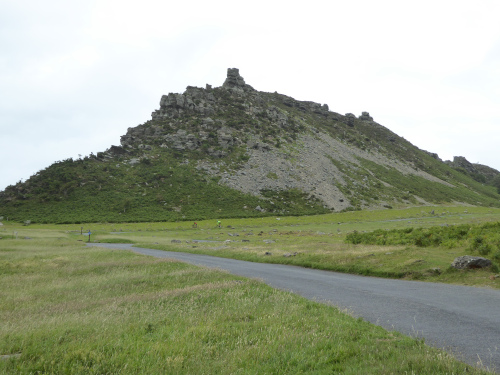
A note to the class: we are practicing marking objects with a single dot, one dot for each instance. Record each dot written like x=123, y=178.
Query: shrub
x=484, y=249
x=354, y=238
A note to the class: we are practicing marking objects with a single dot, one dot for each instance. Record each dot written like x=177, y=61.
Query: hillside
x=233, y=151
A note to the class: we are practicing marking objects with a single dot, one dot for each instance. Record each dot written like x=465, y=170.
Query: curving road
x=462, y=320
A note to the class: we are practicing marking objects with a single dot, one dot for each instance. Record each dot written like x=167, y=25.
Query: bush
x=478, y=238
x=484, y=249
x=354, y=238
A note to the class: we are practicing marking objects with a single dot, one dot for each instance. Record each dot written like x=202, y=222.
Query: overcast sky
x=74, y=75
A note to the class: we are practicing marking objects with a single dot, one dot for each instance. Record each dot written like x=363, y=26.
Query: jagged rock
x=349, y=118
x=470, y=262
x=433, y=155
x=461, y=162
x=365, y=116
x=479, y=172
x=193, y=100
x=116, y=150
x=235, y=82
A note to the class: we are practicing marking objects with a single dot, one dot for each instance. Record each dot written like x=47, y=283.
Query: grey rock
x=235, y=81
x=365, y=116
x=349, y=119
x=470, y=262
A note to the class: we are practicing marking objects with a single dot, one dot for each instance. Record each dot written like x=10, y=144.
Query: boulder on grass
x=470, y=262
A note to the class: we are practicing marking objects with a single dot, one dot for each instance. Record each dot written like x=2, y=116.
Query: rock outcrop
x=194, y=100
x=470, y=262
x=479, y=172
x=461, y=162
x=236, y=82
x=216, y=121
x=365, y=116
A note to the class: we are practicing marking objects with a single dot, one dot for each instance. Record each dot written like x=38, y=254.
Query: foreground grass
x=66, y=308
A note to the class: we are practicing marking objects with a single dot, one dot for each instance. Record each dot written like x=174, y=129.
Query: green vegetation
x=404, y=187
x=66, y=308
x=143, y=192
x=319, y=241
x=482, y=238
x=174, y=168
x=335, y=246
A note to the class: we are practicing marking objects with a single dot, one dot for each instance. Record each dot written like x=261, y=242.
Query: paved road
x=462, y=320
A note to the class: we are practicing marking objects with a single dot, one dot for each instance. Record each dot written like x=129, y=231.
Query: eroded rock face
x=470, y=262
x=235, y=81
x=194, y=100
x=269, y=136
x=461, y=162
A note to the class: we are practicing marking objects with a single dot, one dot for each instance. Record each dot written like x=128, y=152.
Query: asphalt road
x=462, y=320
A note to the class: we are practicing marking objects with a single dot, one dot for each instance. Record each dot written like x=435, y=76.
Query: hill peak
x=235, y=81
x=233, y=151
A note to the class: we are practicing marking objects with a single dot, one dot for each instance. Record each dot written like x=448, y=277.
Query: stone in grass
x=469, y=262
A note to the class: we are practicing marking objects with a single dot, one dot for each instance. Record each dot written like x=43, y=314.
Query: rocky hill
x=234, y=151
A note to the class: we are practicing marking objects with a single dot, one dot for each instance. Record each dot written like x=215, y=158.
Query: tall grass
x=68, y=309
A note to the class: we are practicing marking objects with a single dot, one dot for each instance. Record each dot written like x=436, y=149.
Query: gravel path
x=462, y=320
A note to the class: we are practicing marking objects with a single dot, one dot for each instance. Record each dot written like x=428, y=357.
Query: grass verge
x=66, y=308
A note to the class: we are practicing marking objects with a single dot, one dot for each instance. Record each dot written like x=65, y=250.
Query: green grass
x=316, y=241
x=319, y=241
x=90, y=190
x=70, y=309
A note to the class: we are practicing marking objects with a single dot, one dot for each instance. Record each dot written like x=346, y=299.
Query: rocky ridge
x=234, y=151
x=294, y=153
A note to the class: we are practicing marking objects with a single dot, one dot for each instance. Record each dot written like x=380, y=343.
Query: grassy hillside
x=155, y=189
x=192, y=160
